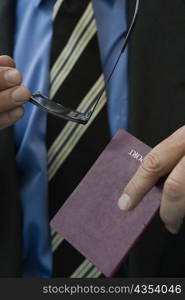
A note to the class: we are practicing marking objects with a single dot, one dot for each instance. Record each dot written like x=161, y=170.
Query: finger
x=9, y=77
x=10, y=117
x=159, y=162
x=13, y=97
x=7, y=61
x=172, y=210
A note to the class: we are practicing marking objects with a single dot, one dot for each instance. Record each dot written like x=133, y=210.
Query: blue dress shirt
x=31, y=53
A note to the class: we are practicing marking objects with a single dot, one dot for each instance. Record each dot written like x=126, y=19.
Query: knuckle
x=151, y=164
x=173, y=188
x=182, y=162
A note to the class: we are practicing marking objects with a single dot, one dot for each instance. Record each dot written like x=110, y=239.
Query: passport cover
x=90, y=218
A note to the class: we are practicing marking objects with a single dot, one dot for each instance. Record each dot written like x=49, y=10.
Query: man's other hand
x=167, y=158
x=12, y=94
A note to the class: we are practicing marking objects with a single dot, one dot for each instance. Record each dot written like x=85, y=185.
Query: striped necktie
x=76, y=78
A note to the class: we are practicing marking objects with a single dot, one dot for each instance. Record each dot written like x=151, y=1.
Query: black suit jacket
x=10, y=213
x=157, y=106
x=157, y=109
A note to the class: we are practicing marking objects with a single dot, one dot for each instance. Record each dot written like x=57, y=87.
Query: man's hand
x=12, y=94
x=166, y=158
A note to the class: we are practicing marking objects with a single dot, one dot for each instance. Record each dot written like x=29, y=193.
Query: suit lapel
x=10, y=212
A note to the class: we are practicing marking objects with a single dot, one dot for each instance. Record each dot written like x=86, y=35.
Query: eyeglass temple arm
x=90, y=112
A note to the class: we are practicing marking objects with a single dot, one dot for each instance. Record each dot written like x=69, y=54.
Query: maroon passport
x=90, y=219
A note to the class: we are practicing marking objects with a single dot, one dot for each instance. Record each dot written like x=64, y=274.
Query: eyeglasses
x=73, y=115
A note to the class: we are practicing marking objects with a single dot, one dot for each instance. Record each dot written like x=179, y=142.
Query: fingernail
x=124, y=202
x=13, y=76
x=18, y=95
x=16, y=113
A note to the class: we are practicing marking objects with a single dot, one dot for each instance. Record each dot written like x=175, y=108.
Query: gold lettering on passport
x=136, y=155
